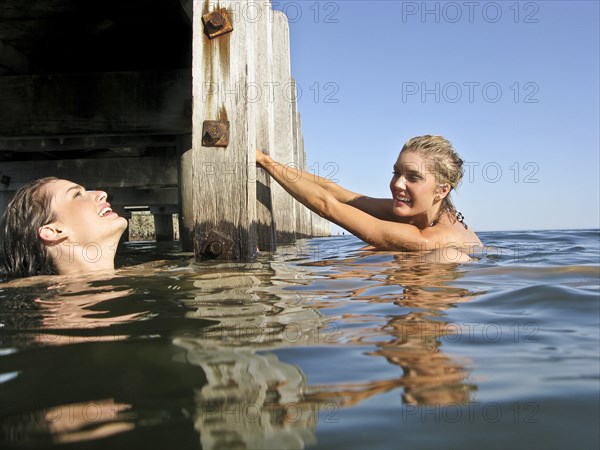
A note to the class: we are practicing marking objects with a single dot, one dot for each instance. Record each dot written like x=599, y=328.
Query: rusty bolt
x=213, y=133
x=215, y=245
x=216, y=21
x=214, y=249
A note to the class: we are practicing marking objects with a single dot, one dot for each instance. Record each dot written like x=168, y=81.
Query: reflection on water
x=215, y=355
x=410, y=338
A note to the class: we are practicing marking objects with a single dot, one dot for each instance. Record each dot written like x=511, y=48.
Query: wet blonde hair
x=442, y=160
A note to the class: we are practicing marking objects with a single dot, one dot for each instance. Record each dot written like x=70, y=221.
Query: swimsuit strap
x=461, y=219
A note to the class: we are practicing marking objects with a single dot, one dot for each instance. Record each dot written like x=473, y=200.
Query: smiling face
x=84, y=216
x=415, y=190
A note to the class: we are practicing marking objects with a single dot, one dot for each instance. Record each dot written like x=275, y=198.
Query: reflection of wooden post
x=223, y=178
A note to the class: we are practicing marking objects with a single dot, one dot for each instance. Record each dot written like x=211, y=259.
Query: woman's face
x=413, y=186
x=84, y=216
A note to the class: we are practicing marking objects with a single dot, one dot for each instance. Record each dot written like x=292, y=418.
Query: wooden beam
x=104, y=173
x=188, y=8
x=64, y=143
x=101, y=104
x=150, y=197
x=12, y=59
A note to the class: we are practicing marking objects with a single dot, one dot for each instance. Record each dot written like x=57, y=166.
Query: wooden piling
x=263, y=115
x=284, y=208
x=244, y=78
x=163, y=223
x=303, y=214
x=186, y=192
x=223, y=203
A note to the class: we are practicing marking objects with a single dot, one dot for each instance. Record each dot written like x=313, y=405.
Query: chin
x=118, y=228
x=398, y=212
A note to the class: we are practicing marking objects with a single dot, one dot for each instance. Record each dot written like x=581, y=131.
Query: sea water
x=318, y=345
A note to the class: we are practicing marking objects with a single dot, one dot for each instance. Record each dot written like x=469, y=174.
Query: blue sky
x=513, y=85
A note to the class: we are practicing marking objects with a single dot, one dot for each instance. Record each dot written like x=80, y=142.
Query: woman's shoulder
x=453, y=234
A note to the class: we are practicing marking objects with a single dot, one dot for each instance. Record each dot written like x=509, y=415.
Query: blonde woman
x=420, y=216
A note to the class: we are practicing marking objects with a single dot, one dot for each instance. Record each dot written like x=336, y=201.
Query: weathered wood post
x=184, y=181
x=284, y=209
x=303, y=214
x=223, y=172
x=261, y=12
x=243, y=97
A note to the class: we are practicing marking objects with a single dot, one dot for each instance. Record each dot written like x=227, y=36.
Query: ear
x=442, y=191
x=52, y=233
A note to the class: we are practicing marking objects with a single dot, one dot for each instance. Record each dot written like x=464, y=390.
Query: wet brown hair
x=22, y=252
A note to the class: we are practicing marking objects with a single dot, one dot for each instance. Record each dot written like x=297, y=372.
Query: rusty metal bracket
x=215, y=133
x=215, y=245
x=217, y=23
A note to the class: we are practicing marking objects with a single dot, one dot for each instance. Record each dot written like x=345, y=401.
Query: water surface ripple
x=319, y=345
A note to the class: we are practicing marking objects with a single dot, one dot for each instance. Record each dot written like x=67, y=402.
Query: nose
x=100, y=196
x=400, y=182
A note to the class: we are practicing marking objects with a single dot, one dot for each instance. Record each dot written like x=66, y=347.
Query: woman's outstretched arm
x=377, y=207
x=381, y=234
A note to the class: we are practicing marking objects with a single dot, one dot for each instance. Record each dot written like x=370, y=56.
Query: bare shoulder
x=452, y=234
